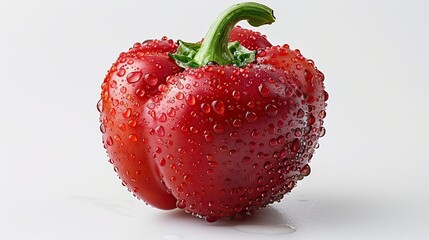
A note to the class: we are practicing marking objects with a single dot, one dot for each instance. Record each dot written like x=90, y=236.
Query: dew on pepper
x=296, y=145
x=121, y=72
x=218, y=128
x=134, y=77
x=205, y=107
x=236, y=95
x=109, y=141
x=218, y=107
x=160, y=132
x=237, y=123
x=133, y=138
x=162, y=117
x=100, y=106
x=255, y=134
x=140, y=92
x=151, y=79
x=171, y=112
x=300, y=113
x=181, y=204
x=305, y=171
x=102, y=128
x=251, y=116
x=271, y=110
x=322, y=132
x=208, y=137
x=190, y=100
x=127, y=113
x=132, y=123
x=264, y=90
x=113, y=84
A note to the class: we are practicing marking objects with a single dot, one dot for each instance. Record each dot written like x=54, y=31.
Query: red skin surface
x=231, y=144
x=217, y=140
x=249, y=39
x=122, y=106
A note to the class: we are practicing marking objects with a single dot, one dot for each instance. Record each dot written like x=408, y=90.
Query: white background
x=369, y=177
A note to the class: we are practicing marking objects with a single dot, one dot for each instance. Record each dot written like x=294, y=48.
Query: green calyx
x=216, y=46
x=185, y=55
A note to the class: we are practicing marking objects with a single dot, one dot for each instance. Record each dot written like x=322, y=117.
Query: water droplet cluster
x=175, y=137
x=136, y=77
x=240, y=132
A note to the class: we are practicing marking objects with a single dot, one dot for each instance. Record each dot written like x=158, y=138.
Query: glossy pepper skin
x=218, y=129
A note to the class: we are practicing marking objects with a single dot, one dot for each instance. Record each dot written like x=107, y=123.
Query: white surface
x=368, y=178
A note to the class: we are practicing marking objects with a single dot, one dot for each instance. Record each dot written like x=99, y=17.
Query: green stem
x=215, y=44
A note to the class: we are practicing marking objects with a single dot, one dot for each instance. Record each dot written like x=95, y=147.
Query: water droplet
x=112, y=112
x=162, y=117
x=263, y=90
x=268, y=165
x=255, y=134
x=246, y=159
x=218, y=128
x=140, y=92
x=181, y=204
x=190, y=100
x=251, y=116
x=102, y=127
x=120, y=72
x=281, y=139
x=123, y=89
x=180, y=96
x=251, y=104
x=127, y=113
x=205, y=107
x=322, y=131
x=100, y=106
x=209, y=157
x=218, y=107
x=237, y=123
x=160, y=131
x=109, y=141
x=211, y=219
x=296, y=145
x=306, y=170
x=162, y=162
x=322, y=114
x=236, y=95
x=162, y=87
x=262, y=53
x=272, y=142
x=134, y=77
x=300, y=113
x=208, y=137
x=132, y=138
x=212, y=164
x=325, y=95
x=171, y=112
x=151, y=79
x=132, y=123
x=288, y=92
x=311, y=119
x=271, y=110
x=308, y=75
